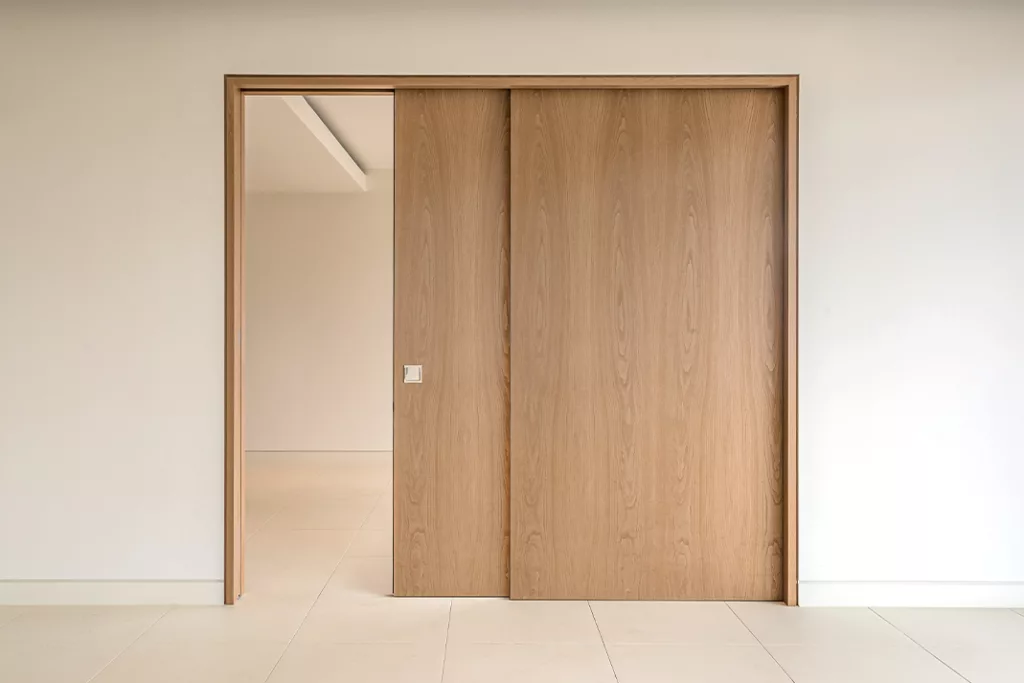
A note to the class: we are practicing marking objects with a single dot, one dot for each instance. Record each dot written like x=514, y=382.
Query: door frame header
x=298, y=85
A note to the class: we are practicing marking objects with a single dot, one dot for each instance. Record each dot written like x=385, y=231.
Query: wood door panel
x=648, y=275
x=451, y=316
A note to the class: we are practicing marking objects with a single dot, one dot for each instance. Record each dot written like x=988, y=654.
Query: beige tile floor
x=317, y=610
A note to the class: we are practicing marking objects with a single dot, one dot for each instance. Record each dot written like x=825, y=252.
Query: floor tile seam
x=604, y=644
x=915, y=642
x=127, y=647
x=308, y=611
x=447, y=631
x=762, y=645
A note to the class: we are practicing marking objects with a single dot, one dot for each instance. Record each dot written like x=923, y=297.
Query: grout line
x=444, y=659
x=263, y=526
x=126, y=647
x=18, y=610
x=607, y=654
x=373, y=508
x=306, y=615
x=907, y=636
x=334, y=571
x=754, y=635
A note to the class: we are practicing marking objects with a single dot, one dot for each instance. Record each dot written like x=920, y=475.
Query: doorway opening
x=317, y=279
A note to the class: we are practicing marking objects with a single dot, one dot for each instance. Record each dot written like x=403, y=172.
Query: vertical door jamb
x=234, y=169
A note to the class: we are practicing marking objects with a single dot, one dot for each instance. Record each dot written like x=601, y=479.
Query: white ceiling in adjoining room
x=295, y=145
x=364, y=124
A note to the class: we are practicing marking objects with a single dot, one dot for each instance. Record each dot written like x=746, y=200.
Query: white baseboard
x=111, y=592
x=811, y=593
x=910, y=594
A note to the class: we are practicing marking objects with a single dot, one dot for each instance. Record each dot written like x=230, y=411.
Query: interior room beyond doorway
x=318, y=290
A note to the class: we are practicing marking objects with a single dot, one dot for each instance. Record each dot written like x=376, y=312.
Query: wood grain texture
x=234, y=169
x=648, y=275
x=451, y=316
x=792, y=288
x=269, y=84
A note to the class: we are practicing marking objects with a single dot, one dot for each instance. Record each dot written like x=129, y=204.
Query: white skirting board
x=910, y=594
x=111, y=592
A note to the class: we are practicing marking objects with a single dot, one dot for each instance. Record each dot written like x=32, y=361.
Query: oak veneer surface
x=297, y=85
x=451, y=316
x=234, y=323
x=648, y=276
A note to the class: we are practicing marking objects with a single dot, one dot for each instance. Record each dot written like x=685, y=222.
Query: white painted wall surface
x=911, y=290
x=319, y=305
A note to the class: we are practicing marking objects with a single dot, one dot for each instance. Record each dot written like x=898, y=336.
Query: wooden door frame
x=236, y=87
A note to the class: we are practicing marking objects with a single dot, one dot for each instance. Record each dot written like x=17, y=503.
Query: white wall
x=911, y=290
x=318, y=314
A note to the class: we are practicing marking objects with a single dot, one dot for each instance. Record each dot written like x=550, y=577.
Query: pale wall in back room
x=112, y=259
x=318, y=320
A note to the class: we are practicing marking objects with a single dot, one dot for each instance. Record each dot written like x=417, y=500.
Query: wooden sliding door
x=451, y=317
x=648, y=283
